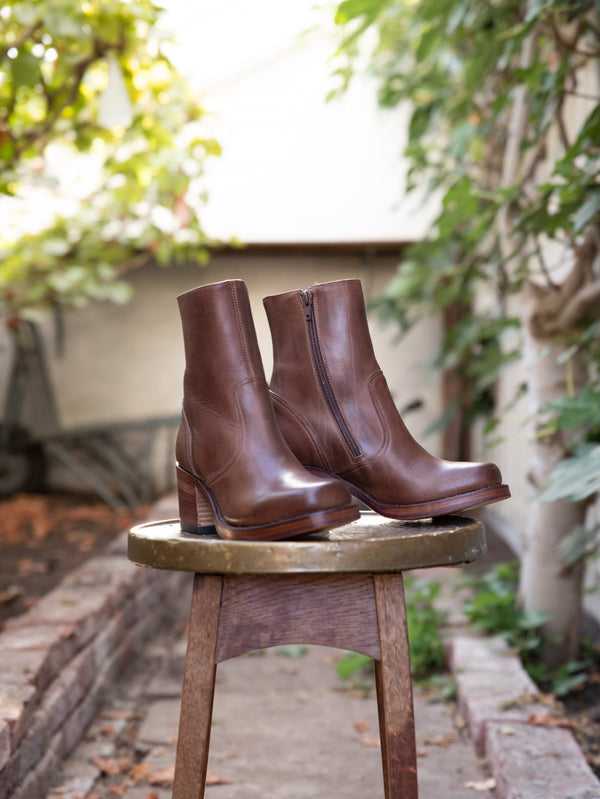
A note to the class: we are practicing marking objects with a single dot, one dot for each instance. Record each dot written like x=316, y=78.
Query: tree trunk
x=547, y=584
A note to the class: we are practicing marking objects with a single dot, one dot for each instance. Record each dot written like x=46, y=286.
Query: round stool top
x=370, y=544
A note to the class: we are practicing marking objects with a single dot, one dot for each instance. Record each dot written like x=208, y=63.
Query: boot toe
x=462, y=478
x=491, y=473
x=328, y=492
x=311, y=494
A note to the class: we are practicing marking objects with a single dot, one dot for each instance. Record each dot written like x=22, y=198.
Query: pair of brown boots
x=264, y=465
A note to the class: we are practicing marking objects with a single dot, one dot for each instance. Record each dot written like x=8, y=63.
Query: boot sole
x=430, y=509
x=200, y=515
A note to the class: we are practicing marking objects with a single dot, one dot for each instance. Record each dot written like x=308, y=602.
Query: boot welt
x=290, y=528
x=429, y=508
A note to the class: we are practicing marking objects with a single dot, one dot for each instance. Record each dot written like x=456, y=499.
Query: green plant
x=424, y=621
x=353, y=664
x=494, y=608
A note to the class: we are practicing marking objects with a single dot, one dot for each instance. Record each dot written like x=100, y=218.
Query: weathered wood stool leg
x=198, y=689
x=394, y=690
x=234, y=615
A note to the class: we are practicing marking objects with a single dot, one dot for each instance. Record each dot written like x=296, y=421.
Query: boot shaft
x=333, y=315
x=325, y=369
x=220, y=343
x=224, y=378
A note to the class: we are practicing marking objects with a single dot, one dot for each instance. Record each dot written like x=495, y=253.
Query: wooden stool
x=341, y=588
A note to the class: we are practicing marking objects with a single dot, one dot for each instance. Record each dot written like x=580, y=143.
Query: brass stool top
x=371, y=544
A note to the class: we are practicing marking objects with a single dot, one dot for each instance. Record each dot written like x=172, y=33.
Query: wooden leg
x=198, y=689
x=394, y=691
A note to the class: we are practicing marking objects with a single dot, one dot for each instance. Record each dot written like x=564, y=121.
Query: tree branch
x=560, y=123
x=40, y=134
x=517, y=125
x=544, y=266
x=582, y=95
x=139, y=260
x=26, y=34
x=585, y=303
x=579, y=296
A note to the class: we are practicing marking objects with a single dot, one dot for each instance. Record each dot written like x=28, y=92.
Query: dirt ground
x=45, y=536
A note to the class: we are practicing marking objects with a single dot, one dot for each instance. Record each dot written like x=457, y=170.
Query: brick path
x=283, y=727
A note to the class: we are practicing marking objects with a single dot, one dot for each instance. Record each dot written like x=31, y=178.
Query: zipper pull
x=307, y=299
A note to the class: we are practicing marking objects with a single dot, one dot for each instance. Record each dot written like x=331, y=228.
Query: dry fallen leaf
x=84, y=542
x=481, y=785
x=518, y=701
x=214, y=779
x=11, y=593
x=441, y=740
x=460, y=722
x=118, y=714
x=332, y=657
x=361, y=726
x=27, y=566
x=25, y=513
x=107, y=766
x=546, y=720
x=163, y=777
x=112, y=766
x=118, y=790
x=422, y=752
x=139, y=772
x=370, y=740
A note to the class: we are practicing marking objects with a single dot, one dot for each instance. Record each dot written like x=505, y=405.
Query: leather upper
x=228, y=437
x=390, y=464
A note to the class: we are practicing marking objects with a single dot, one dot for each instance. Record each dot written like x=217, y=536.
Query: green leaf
x=588, y=212
x=575, y=478
x=351, y=663
x=292, y=651
x=351, y=9
x=25, y=69
x=25, y=13
x=578, y=411
x=588, y=136
x=55, y=246
x=579, y=544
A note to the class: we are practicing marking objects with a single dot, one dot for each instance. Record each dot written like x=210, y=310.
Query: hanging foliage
x=101, y=152
x=505, y=130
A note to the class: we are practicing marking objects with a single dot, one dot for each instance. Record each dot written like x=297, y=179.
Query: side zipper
x=317, y=357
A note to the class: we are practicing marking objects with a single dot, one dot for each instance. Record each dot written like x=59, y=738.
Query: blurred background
x=444, y=153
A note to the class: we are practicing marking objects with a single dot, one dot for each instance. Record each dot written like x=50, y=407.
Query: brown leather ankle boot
x=234, y=470
x=335, y=410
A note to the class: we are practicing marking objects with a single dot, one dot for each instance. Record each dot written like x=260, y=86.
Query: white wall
x=295, y=168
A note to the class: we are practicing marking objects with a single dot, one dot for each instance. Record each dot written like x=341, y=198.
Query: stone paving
x=284, y=725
